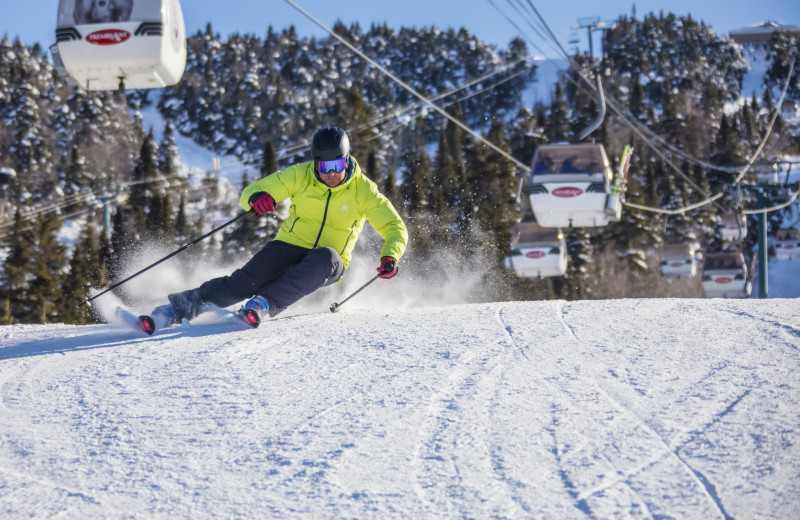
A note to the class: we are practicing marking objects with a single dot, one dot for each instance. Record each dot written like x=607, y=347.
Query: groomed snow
x=553, y=409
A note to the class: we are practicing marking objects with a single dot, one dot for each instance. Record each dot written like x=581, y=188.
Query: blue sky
x=34, y=20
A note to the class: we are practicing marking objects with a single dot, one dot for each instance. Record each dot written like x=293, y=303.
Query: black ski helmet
x=330, y=143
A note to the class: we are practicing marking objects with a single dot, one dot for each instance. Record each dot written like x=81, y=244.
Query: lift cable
x=298, y=148
x=30, y=216
x=623, y=114
x=422, y=98
x=633, y=125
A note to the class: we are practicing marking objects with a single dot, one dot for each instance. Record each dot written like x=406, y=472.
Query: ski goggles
x=336, y=165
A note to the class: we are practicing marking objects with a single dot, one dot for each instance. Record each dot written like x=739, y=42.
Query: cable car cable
x=626, y=116
x=298, y=148
x=422, y=98
x=633, y=126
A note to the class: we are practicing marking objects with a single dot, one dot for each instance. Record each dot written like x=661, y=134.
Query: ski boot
x=161, y=317
x=253, y=310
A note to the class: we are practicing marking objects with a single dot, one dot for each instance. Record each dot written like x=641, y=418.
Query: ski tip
x=147, y=325
x=250, y=317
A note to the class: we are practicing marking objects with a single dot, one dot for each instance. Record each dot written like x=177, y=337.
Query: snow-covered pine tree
x=16, y=273
x=48, y=259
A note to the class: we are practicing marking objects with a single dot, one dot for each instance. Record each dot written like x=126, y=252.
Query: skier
x=330, y=200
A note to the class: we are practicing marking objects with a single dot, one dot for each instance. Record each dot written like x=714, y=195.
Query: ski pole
x=335, y=306
x=193, y=242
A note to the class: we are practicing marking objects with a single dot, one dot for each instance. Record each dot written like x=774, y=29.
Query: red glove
x=388, y=268
x=262, y=203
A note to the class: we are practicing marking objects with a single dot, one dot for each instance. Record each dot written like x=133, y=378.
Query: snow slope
x=591, y=409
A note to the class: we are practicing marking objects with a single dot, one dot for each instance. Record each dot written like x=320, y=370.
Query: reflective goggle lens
x=336, y=165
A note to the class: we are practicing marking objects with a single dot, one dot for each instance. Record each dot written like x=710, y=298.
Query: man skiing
x=330, y=200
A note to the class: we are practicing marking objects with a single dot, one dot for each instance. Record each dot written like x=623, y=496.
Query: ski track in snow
x=612, y=409
x=707, y=487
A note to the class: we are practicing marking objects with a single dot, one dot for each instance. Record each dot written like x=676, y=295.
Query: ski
x=149, y=325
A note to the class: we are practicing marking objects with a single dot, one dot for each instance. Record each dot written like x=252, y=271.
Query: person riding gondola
x=545, y=165
x=571, y=165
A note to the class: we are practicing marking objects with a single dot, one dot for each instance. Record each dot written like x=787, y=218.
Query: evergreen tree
x=389, y=187
x=352, y=113
x=269, y=160
x=247, y=232
x=557, y=124
x=493, y=181
x=579, y=251
x=158, y=221
x=443, y=188
x=181, y=223
x=416, y=180
x=455, y=140
x=636, y=99
x=144, y=173
x=85, y=271
x=784, y=49
x=75, y=178
x=49, y=258
x=727, y=150
x=17, y=272
x=371, y=170
x=641, y=229
x=29, y=149
x=121, y=244
x=104, y=260
x=169, y=163
x=456, y=189
x=453, y=184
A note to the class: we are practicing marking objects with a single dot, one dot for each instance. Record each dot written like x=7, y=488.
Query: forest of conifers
x=66, y=154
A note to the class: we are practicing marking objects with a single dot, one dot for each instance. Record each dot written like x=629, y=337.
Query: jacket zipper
x=295, y=220
x=348, y=237
x=324, y=217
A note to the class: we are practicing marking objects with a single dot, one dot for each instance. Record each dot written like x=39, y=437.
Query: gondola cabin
x=571, y=185
x=113, y=44
x=537, y=252
x=732, y=227
x=787, y=243
x=678, y=261
x=725, y=275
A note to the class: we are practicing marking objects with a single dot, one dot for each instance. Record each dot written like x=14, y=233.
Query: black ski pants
x=282, y=273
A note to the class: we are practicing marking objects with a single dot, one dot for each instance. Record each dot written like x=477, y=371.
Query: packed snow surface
x=550, y=409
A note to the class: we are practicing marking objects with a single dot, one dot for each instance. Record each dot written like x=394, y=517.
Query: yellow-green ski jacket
x=320, y=216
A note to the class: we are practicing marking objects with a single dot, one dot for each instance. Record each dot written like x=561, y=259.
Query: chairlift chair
x=537, y=252
x=116, y=44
